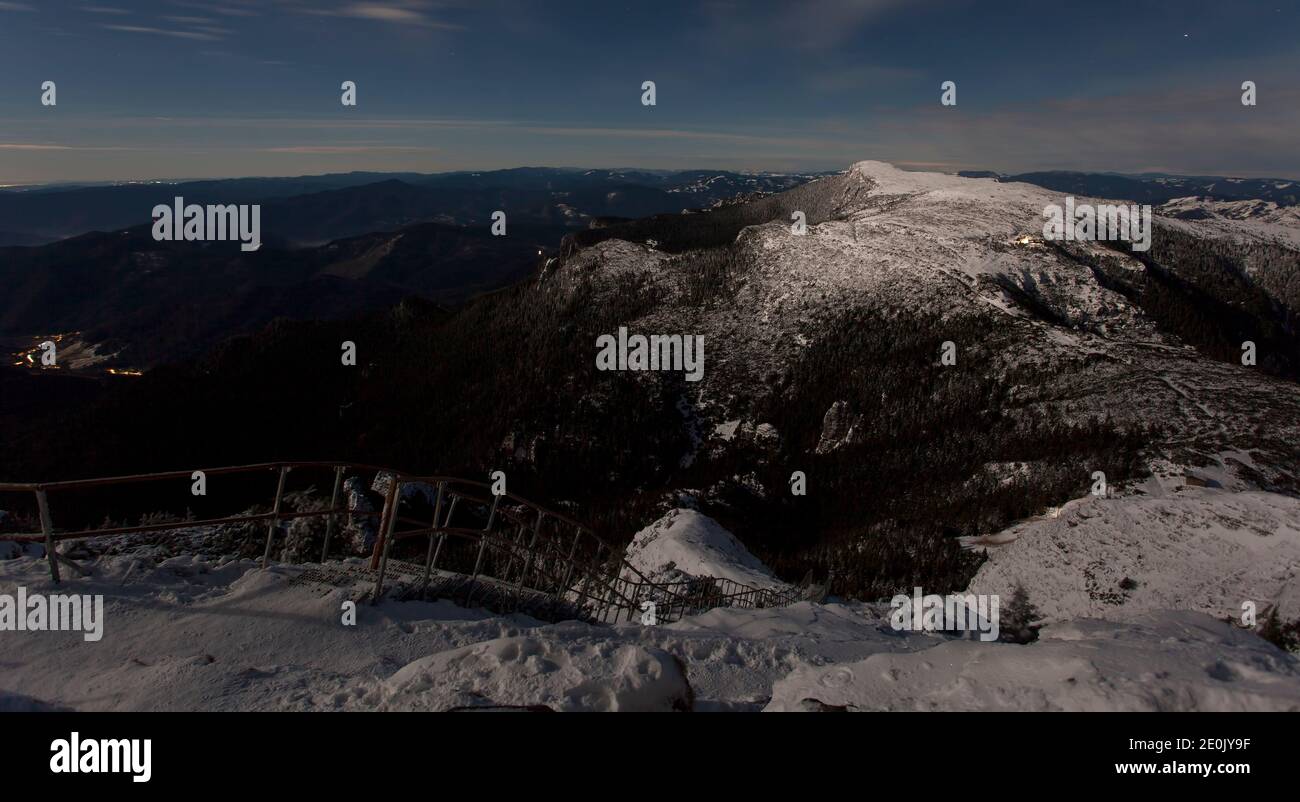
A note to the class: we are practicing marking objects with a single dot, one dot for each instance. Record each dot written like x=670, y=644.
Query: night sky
x=229, y=88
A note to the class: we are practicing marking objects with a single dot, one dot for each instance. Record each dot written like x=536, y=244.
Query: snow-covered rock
x=360, y=529
x=686, y=543
x=840, y=427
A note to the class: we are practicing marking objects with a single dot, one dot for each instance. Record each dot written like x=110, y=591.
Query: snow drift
x=592, y=674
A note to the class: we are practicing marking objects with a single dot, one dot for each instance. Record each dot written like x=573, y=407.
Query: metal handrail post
x=47, y=528
x=482, y=539
x=390, y=511
x=482, y=549
x=275, y=515
x=395, y=491
x=430, y=554
x=334, y=505
x=532, y=544
x=568, y=571
x=514, y=552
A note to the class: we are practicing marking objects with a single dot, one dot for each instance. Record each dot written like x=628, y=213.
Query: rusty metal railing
x=521, y=549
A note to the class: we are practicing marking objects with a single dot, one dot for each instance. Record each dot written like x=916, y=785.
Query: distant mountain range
x=1154, y=188
x=334, y=246
x=142, y=302
x=312, y=210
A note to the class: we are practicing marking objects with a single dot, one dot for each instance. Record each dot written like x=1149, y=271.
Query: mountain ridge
x=823, y=357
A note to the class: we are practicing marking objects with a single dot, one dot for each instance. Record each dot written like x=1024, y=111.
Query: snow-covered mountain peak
x=944, y=252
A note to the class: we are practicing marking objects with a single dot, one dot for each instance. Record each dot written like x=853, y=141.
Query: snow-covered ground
x=194, y=634
x=1191, y=548
x=1169, y=661
x=190, y=633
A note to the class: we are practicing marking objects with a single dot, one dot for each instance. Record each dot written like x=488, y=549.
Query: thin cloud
x=326, y=149
x=671, y=133
x=15, y=7
x=332, y=150
x=392, y=13
x=31, y=146
x=1201, y=131
x=219, y=8
x=297, y=123
x=200, y=35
